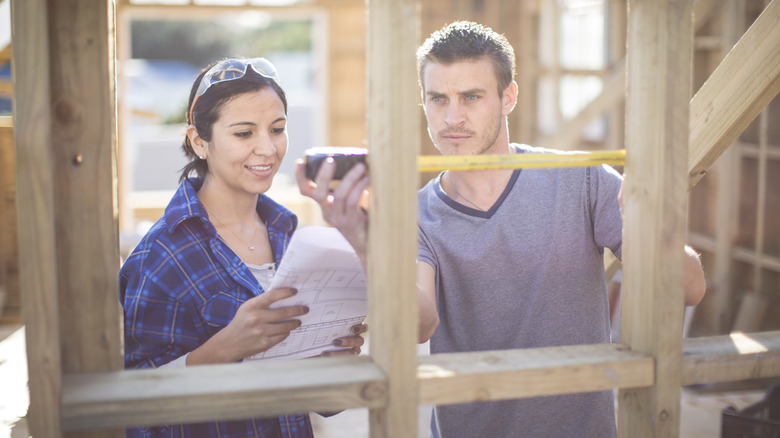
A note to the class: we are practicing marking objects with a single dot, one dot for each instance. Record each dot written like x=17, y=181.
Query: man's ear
x=509, y=98
x=199, y=146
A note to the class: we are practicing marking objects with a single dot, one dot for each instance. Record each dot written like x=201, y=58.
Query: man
x=508, y=258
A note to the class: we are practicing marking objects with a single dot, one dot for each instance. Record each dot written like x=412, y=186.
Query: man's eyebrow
x=469, y=92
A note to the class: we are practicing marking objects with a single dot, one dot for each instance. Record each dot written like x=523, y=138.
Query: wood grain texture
x=736, y=92
x=10, y=298
x=83, y=152
x=393, y=142
x=269, y=388
x=654, y=219
x=35, y=187
x=499, y=375
x=734, y=357
x=220, y=392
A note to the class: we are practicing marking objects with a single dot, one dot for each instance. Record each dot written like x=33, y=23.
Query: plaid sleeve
x=158, y=328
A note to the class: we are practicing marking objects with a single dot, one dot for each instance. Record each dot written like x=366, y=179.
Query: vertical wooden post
x=616, y=22
x=83, y=148
x=35, y=189
x=393, y=140
x=10, y=298
x=527, y=73
x=727, y=176
x=655, y=217
x=66, y=163
x=126, y=215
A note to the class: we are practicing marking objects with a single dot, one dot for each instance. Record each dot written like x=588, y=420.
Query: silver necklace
x=249, y=244
x=449, y=177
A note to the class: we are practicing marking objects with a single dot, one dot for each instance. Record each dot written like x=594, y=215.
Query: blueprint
x=330, y=279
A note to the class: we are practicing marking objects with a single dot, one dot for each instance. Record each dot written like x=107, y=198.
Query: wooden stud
x=10, y=298
x=617, y=11
x=659, y=87
x=396, y=415
x=69, y=258
x=83, y=152
x=393, y=141
x=35, y=188
x=736, y=92
x=763, y=146
x=527, y=76
x=727, y=172
x=727, y=175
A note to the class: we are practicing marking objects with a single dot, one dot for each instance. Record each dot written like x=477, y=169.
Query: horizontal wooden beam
x=499, y=375
x=127, y=398
x=163, y=11
x=734, y=357
x=704, y=242
x=205, y=393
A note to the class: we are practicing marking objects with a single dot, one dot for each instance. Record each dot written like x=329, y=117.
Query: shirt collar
x=185, y=204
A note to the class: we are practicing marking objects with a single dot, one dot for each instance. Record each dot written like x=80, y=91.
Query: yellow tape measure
x=439, y=163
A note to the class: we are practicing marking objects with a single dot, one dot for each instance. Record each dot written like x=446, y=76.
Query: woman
x=194, y=290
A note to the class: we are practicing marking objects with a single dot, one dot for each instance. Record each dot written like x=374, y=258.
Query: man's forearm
x=695, y=284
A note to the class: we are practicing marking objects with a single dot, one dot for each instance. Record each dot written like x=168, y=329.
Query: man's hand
x=341, y=207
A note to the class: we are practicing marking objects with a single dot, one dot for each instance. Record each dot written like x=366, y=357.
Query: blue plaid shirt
x=180, y=286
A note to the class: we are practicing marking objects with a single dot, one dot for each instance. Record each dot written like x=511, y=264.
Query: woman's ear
x=199, y=146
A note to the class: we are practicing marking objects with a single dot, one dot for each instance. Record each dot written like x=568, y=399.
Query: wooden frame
x=148, y=205
x=69, y=259
x=655, y=209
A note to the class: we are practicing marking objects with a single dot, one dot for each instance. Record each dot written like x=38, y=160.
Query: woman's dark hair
x=208, y=106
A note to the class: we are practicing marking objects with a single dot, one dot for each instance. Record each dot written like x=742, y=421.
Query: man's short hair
x=464, y=41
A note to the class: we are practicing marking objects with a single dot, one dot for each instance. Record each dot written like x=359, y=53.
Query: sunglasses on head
x=232, y=69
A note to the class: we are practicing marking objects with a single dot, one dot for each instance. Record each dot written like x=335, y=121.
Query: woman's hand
x=341, y=207
x=254, y=328
x=348, y=345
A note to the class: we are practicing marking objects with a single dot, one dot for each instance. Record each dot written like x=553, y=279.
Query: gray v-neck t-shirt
x=527, y=273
